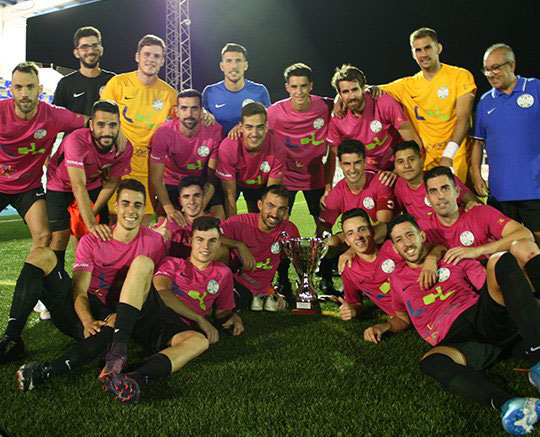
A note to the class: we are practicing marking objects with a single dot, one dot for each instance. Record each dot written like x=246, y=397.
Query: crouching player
x=469, y=317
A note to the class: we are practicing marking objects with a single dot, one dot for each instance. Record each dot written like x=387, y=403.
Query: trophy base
x=308, y=308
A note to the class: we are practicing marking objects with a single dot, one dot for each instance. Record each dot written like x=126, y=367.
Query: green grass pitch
x=286, y=375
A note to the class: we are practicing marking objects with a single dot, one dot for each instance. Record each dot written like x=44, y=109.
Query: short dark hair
x=406, y=145
x=299, y=69
x=402, y=218
x=253, y=108
x=205, y=223
x=190, y=92
x=105, y=106
x=150, y=40
x=439, y=171
x=350, y=73
x=277, y=189
x=355, y=212
x=351, y=146
x=233, y=47
x=423, y=32
x=85, y=31
x=188, y=181
x=26, y=67
x=132, y=185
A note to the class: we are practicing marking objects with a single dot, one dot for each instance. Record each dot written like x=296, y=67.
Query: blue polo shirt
x=510, y=127
x=226, y=105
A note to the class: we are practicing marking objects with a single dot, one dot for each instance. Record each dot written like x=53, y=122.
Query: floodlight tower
x=178, y=58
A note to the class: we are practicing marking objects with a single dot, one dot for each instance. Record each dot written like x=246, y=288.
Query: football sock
x=463, y=381
x=532, y=268
x=126, y=317
x=61, y=257
x=520, y=304
x=283, y=271
x=158, y=366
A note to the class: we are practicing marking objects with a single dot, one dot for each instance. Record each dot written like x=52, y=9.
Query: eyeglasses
x=86, y=47
x=494, y=69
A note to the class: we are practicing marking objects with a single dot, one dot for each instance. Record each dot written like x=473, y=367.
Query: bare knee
x=523, y=250
x=451, y=352
x=197, y=341
x=43, y=258
x=142, y=265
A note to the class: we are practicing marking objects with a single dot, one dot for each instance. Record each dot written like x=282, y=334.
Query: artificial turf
x=285, y=375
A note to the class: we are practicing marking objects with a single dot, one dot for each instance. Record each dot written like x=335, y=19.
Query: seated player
x=358, y=189
x=87, y=167
x=79, y=307
x=254, y=160
x=469, y=318
x=261, y=233
x=409, y=189
x=185, y=147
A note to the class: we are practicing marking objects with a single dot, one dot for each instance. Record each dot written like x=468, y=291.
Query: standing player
x=254, y=160
x=469, y=318
x=507, y=119
x=378, y=123
x=226, y=99
x=145, y=102
x=438, y=100
x=183, y=148
x=261, y=233
x=79, y=90
x=76, y=171
x=409, y=189
x=28, y=129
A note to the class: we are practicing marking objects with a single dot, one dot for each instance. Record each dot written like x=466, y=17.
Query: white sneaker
x=39, y=307
x=274, y=302
x=45, y=315
x=257, y=302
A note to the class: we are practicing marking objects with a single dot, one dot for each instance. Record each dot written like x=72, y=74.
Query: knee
x=523, y=250
x=42, y=238
x=142, y=265
x=43, y=258
x=200, y=342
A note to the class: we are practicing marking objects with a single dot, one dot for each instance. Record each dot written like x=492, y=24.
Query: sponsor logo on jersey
x=318, y=123
x=375, y=126
x=443, y=274
x=275, y=248
x=388, y=266
x=203, y=151
x=466, y=238
x=368, y=203
x=157, y=105
x=265, y=167
x=212, y=286
x=40, y=133
x=443, y=92
x=525, y=100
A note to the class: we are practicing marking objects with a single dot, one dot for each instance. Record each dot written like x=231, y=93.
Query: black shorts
x=482, y=332
x=251, y=195
x=22, y=201
x=242, y=296
x=217, y=198
x=522, y=211
x=313, y=200
x=57, y=208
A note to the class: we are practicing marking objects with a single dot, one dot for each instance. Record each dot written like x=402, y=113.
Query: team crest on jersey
x=203, y=151
x=157, y=105
x=443, y=92
x=525, y=100
x=318, y=123
x=275, y=248
x=212, y=286
x=388, y=266
x=375, y=126
x=466, y=238
x=265, y=167
x=368, y=203
x=427, y=202
x=40, y=133
x=247, y=102
x=443, y=274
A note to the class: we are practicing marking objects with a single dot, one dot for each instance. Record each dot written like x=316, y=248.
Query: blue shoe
x=534, y=375
x=519, y=415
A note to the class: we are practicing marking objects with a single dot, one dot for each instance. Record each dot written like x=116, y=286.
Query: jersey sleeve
x=332, y=210
x=493, y=219
x=122, y=166
x=110, y=91
x=229, y=228
x=279, y=163
x=84, y=256
x=74, y=152
x=60, y=98
x=226, y=160
x=205, y=98
x=397, y=301
x=217, y=137
x=166, y=268
x=66, y=120
x=225, y=299
x=393, y=111
x=464, y=83
x=479, y=126
x=463, y=190
x=396, y=89
x=385, y=197
x=334, y=136
x=265, y=96
x=350, y=289
x=475, y=272
x=158, y=147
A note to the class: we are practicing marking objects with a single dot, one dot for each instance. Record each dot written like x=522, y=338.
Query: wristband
x=450, y=150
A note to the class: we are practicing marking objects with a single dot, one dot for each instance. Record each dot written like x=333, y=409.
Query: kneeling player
x=470, y=318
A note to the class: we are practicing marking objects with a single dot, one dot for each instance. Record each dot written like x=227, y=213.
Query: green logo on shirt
x=197, y=166
x=376, y=142
x=257, y=181
x=311, y=139
x=30, y=150
x=198, y=296
x=431, y=298
x=265, y=265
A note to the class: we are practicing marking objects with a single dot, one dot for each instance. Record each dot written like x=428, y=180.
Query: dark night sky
x=370, y=34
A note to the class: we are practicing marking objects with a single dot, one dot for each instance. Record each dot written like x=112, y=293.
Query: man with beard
x=79, y=90
x=252, y=161
x=261, y=233
x=182, y=148
x=76, y=170
x=28, y=130
x=470, y=317
x=226, y=99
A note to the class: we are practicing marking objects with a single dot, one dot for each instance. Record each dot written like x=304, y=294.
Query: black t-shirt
x=78, y=93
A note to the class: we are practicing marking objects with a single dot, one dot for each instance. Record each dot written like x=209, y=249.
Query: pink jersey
x=480, y=225
x=433, y=311
x=79, y=151
x=26, y=144
x=250, y=171
x=303, y=136
x=372, y=198
x=371, y=279
x=181, y=155
x=265, y=248
x=416, y=202
x=199, y=289
x=376, y=128
x=109, y=261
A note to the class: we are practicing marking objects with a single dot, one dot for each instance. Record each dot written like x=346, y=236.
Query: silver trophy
x=306, y=255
